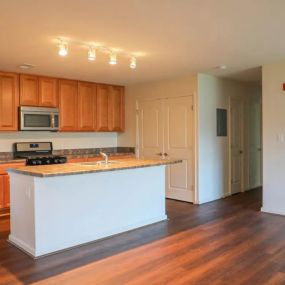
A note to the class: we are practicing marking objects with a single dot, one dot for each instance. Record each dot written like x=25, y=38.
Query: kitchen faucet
x=105, y=156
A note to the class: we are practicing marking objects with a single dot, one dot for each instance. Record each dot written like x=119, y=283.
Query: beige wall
x=161, y=89
x=60, y=140
x=213, y=151
x=273, y=104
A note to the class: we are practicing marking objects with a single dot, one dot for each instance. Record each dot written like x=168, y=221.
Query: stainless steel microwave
x=38, y=119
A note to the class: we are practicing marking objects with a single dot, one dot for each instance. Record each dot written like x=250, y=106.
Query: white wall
x=213, y=166
x=209, y=93
x=273, y=104
x=60, y=140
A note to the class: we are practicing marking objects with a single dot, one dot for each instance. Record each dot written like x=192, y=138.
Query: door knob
x=240, y=152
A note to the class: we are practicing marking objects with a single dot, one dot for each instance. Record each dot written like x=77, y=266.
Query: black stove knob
x=39, y=162
x=33, y=162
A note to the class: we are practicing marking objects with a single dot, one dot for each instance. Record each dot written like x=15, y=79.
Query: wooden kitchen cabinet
x=86, y=106
x=9, y=101
x=68, y=104
x=48, y=92
x=29, y=90
x=38, y=91
x=116, y=109
x=4, y=191
x=110, y=108
x=102, y=107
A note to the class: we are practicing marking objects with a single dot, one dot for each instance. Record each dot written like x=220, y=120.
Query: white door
x=178, y=144
x=236, y=130
x=166, y=126
x=150, y=123
x=255, y=148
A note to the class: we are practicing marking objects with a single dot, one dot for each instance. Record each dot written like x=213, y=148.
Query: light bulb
x=133, y=63
x=91, y=53
x=113, y=58
x=62, y=48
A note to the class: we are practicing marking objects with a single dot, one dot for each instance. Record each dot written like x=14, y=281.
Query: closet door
x=150, y=123
x=166, y=130
x=179, y=144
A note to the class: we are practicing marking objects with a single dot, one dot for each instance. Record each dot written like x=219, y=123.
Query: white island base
x=49, y=214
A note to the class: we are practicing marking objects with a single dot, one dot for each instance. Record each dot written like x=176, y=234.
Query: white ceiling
x=172, y=37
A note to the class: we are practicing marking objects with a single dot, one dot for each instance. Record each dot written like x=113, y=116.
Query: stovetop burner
x=45, y=160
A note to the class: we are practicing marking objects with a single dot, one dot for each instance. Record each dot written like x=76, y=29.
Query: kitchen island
x=56, y=207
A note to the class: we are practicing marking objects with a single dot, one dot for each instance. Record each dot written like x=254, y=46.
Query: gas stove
x=37, y=153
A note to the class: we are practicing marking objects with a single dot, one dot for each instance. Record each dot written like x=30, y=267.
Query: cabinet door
x=68, y=105
x=116, y=109
x=6, y=191
x=9, y=102
x=2, y=187
x=102, y=108
x=86, y=106
x=29, y=90
x=48, y=92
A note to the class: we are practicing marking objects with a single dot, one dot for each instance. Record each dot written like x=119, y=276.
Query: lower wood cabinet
x=4, y=191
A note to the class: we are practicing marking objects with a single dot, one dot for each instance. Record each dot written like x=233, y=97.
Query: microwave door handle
x=52, y=121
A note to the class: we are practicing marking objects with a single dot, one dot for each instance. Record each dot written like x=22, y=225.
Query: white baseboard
x=275, y=211
x=22, y=245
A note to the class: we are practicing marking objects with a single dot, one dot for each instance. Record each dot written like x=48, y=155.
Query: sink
x=100, y=162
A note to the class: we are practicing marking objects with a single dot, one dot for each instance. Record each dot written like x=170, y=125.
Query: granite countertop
x=81, y=168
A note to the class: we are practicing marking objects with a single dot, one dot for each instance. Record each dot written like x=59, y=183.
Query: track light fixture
x=133, y=62
x=113, y=58
x=92, y=52
x=62, y=48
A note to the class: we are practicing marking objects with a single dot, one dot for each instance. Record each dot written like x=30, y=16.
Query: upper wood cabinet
x=116, y=109
x=48, y=92
x=38, y=91
x=86, y=106
x=9, y=102
x=110, y=108
x=68, y=104
x=102, y=107
x=29, y=90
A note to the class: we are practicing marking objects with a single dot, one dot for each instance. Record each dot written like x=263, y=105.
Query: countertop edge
x=85, y=171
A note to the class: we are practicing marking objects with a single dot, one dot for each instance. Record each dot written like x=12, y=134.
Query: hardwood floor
x=224, y=242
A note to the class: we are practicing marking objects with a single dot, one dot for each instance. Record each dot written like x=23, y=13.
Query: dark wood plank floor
x=224, y=242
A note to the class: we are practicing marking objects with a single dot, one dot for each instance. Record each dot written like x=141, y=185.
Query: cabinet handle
x=165, y=154
x=160, y=153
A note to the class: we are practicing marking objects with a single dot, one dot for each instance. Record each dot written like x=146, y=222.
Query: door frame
x=229, y=193
x=195, y=135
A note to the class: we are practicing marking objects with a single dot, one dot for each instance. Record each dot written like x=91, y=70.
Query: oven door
x=38, y=119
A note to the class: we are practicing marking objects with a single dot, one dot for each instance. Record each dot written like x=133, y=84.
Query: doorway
x=166, y=130
x=245, y=143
